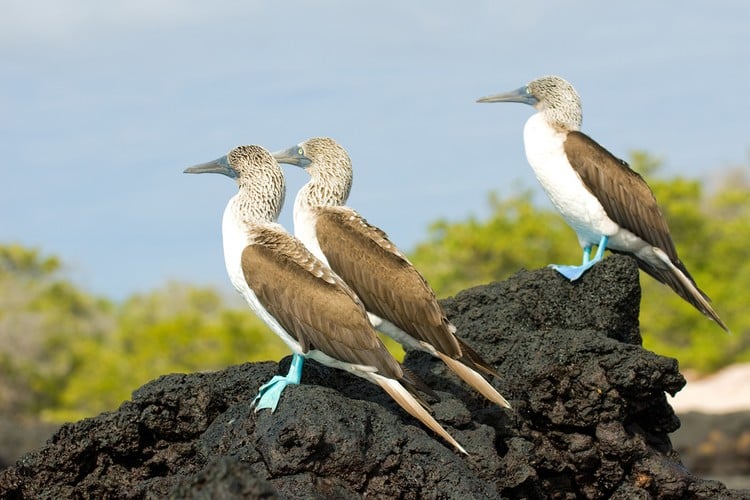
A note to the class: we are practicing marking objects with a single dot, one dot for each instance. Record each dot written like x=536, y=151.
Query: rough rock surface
x=590, y=418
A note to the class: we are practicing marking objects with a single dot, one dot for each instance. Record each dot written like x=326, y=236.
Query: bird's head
x=551, y=95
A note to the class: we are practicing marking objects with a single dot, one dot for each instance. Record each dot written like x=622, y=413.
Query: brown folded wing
x=385, y=281
x=311, y=303
x=626, y=198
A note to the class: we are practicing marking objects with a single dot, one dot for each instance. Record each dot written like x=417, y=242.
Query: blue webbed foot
x=575, y=272
x=270, y=392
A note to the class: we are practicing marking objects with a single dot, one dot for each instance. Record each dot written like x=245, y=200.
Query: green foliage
x=39, y=313
x=711, y=231
x=25, y=264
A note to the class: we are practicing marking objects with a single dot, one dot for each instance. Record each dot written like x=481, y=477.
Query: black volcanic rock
x=589, y=419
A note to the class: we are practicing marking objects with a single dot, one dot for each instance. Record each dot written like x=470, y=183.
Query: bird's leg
x=586, y=255
x=575, y=272
x=270, y=392
x=600, y=249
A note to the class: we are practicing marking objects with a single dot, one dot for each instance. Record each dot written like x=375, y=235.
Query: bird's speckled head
x=559, y=100
x=326, y=154
x=551, y=95
x=261, y=181
x=253, y=162
x=331, y=169
x=329, y=166
x=259, y=176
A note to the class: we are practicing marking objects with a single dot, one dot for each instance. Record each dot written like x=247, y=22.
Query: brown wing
x=311, y=303
x=386, y=282
x=628, y=200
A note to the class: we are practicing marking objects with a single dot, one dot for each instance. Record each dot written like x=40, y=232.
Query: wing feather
x=312, y=303
x=383, y=278
x=629, y=201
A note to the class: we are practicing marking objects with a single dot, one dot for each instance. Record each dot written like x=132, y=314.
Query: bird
x=303, y=302
x=398, y=299
x=606, y=202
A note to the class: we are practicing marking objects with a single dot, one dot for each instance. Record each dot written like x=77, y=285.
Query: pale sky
x=103, y=104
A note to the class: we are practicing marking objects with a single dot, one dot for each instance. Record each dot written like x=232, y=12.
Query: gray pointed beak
x=521, y=95
x=217, y=166
x=293, y=156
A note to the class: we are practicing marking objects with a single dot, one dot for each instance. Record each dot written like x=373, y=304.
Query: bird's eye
x=300, y=152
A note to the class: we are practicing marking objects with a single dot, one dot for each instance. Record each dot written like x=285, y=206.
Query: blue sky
x=103, y=104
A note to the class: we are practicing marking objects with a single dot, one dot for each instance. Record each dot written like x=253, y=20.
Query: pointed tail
x=405, y=399
x=474, y=379
x=679, y=280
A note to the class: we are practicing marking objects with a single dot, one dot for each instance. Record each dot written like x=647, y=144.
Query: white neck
x=304, y=223
x=544, y=145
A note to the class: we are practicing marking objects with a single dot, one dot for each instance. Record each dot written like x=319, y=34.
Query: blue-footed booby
x=305, y=303
x=398, y=299
x=598, y=195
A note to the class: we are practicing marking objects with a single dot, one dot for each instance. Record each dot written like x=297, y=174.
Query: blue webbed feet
x=575, y=272
x=270, y=392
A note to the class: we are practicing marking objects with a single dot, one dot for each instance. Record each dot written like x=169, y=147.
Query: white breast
x=304, y=227
x=580, y=209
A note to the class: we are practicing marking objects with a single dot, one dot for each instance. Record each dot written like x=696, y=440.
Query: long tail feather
x=474, y=379
x=683, y=284
x=401, y=396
